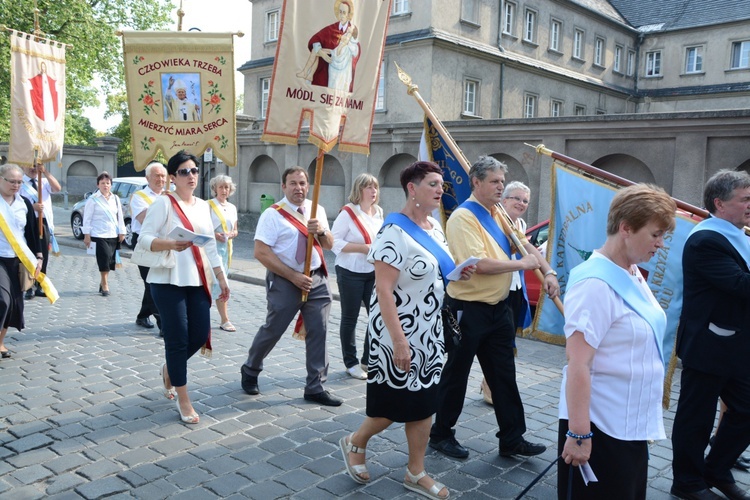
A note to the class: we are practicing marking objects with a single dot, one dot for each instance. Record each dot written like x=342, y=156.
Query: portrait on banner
x=181, y=96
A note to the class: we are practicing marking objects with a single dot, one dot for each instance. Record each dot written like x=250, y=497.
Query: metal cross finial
x=180, y=15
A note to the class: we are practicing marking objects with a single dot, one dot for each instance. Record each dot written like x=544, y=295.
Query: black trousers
x=148, y=307
x=354, y=288
x=621, y=468
x=694, y=421
x=489, y=334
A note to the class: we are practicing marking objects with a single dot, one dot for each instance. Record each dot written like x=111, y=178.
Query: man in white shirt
x=29, y=189
x=279, y=246
x=156, y=175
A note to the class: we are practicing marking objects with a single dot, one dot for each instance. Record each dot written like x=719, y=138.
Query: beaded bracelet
x=579, y=437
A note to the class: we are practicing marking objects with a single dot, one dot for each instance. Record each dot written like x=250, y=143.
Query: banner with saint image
x=37, y=104
x=180, y=93
x=326, y=71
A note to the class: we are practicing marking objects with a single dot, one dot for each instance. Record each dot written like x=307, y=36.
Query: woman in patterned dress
x=407, y=350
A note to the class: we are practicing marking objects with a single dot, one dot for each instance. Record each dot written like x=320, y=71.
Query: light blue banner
x=578, y=226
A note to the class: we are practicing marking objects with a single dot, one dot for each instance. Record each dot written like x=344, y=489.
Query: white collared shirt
x=138, y=205
x=46, y=198
x=97, y=223
x=279, y=234
x=345, y=231
x=17, y=224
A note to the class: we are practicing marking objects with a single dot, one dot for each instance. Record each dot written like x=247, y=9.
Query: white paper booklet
x=182, y=234
x=455, y=275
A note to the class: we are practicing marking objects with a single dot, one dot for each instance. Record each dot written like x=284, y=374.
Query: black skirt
x=11, y=297
x=105, y=252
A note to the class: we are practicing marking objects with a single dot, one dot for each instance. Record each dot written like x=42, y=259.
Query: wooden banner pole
x=313, y=212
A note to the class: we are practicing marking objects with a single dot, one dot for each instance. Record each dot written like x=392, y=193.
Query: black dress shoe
x=449, y=446
x=144, y=322
x=39, y=293
x=705, y=494
x=250, y=384
x=731, y=490
x=523, y=448
x=29, y=294
x=324, y=398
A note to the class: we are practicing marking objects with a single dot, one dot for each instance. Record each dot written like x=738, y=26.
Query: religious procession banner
x=578, y=226
x=326, y=71
x=37, y=104
x=180, y=93
x=456, y=185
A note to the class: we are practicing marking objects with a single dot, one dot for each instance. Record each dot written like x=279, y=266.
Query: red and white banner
x=326, y=71
x=37, y=103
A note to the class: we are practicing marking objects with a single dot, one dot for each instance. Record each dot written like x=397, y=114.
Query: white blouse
x=228, y=210
x=346, y=231
x=15, y=217
x=185, y=271
x=97, y=222
x=627, y=374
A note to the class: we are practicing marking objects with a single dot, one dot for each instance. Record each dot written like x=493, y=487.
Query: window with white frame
x=617, y=65
x=529, y=26
x=400, y=7
x=578, y=44
x=694, y=59
x=508, y=18
x=265, y=92
x=580, y=110
x=470, y=11
x=630, y=68
x=556, y=109
x=599, y=51
x=471, y=90
x=529, y=105
x=653, y=63
x=554, y=35
x=380, y=100
x=272, y=25
x=741, y=54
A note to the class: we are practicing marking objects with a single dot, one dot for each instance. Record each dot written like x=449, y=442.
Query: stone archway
x=516, y=172
x=744, y=166
x=389, y=177
x=332, y=185
x=81, y=177
x=626, y=166
x=263, y=180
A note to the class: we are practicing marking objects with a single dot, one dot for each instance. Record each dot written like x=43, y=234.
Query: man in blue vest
x=485, y=317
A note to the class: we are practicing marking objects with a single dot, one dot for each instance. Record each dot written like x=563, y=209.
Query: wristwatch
x=321, y=234
x=552, y=272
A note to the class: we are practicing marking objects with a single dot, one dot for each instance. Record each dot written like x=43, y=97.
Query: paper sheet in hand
x=455, y=275
x=182, y=234
x=91, y=249
x=588, y=474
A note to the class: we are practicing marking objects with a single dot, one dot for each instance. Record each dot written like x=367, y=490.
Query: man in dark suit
x=713, y=342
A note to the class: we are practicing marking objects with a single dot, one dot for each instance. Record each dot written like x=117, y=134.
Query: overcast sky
x=206, y=15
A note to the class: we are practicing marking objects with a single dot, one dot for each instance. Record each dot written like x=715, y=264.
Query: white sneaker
x=356, y=372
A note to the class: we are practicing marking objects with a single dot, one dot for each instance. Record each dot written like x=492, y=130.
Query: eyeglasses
x=525, y=202
x=14, y=182
x=184, y=172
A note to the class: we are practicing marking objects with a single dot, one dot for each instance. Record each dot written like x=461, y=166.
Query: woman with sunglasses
x=104, y=225
x=183, y=293
x=17, y=223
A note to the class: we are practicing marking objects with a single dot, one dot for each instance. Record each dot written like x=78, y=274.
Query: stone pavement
x=82, y=414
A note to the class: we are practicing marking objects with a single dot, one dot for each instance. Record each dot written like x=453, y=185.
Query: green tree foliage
x=90, y=26
x=117, y=104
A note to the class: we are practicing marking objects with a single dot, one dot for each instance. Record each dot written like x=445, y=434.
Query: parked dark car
x=122, y=187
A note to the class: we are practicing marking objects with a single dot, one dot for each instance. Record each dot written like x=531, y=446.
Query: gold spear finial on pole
x=406, y=79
